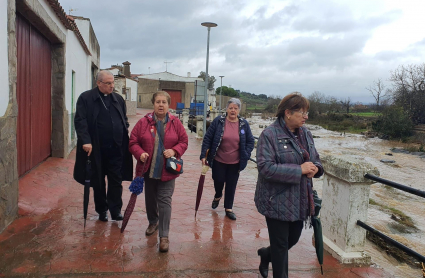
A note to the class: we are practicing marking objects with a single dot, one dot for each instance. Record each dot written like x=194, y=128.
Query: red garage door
x=33, y=92
x=176, y=96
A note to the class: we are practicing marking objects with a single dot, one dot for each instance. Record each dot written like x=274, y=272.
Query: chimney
x=127, y=72
x=188, y=74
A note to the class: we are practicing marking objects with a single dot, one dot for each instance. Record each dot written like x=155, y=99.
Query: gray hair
x=102, y=73
x=234, y=101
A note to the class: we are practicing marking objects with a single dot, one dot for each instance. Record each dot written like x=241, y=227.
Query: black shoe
x=231, y=215
x=117, y=217
x=264, y=263
x=103, y=216
x=215, y=203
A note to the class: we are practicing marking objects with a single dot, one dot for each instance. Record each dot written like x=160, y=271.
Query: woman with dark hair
x=287, y=161
x=156, y=137
x=230, y=143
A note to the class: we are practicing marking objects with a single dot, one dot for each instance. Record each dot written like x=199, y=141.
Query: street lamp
x=209, y=25
x=221, y=90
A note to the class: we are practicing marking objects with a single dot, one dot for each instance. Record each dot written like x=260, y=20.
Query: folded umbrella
x=200, y=187
x=201, y=184
x=317, y=227
x=136, y=187
x=87, y=189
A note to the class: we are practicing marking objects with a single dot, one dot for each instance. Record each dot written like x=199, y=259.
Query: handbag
x=173, y=165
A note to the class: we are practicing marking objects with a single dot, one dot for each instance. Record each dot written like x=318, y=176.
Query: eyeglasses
x=107, y=83
x=302, y=113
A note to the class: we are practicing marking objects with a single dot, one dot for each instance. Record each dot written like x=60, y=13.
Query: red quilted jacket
x=142, y=140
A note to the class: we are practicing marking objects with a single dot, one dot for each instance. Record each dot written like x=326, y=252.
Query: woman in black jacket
x=230, y=143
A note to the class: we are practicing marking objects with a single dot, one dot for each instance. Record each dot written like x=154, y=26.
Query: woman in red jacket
x=156, y=137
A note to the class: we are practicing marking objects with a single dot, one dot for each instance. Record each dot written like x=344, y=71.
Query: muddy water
x=407, y=169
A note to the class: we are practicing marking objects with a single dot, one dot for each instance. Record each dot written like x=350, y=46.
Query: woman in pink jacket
x=156, y=137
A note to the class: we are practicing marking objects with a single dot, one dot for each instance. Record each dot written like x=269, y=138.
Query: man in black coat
x=102, y=130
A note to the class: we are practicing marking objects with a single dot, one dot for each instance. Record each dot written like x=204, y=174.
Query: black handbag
x=174, y=165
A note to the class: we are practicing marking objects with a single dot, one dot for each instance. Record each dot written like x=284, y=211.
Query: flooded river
x=408, y=170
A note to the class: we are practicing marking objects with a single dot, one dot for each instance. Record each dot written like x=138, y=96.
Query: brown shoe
x=163, y=244
x=151, y=229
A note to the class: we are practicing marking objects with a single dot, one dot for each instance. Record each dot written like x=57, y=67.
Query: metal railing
x=386, y=238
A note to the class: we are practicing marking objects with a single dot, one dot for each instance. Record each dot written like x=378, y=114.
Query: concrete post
x=345, y=200
x=213, y=114
x=185, y=114
x=199, y=126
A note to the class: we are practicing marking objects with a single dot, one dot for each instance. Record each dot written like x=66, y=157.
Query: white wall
x=133, y=88
x=78, y=61
x=53, y=15
x=4, y=66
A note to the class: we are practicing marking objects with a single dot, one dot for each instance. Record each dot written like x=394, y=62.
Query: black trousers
x=110, y=199
x=229, y=174
x=283, y=235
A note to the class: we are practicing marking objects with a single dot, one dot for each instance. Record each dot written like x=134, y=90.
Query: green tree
x=211, y=79
x=227, y=92
x=394, y=122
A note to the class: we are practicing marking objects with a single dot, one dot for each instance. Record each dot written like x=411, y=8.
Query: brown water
x=407, y=169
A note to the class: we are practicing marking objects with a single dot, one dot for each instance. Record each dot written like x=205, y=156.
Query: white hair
x=102, y=73
x=234, y=101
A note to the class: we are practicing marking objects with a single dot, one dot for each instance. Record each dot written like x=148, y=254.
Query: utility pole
x=221, y=89
x=166, y=63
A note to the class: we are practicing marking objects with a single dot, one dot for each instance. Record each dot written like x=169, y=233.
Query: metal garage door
x=176, y=96
x=33, y=92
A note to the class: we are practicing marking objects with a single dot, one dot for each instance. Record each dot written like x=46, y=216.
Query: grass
x=365, y=114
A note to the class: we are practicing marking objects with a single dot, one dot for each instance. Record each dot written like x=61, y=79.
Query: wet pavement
x=48, y=238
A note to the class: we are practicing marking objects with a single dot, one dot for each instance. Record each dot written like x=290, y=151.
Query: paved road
x=48, y=239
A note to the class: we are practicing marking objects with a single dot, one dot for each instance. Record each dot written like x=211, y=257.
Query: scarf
x=158, y=157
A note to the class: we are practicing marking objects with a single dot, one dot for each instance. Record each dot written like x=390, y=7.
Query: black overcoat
x=88, y=106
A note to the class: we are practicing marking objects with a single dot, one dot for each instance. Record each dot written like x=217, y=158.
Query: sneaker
x=151, y=229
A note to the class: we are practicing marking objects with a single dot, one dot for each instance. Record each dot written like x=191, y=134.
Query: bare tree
x=377, y=89
x=346, y=103
x=407, y=92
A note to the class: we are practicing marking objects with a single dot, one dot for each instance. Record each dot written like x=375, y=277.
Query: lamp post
x=221, y=89
x=209, y=25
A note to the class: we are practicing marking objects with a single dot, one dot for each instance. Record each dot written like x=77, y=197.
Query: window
x=128, y=93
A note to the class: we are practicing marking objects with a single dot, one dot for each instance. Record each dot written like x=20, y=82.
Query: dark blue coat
x=212, y=140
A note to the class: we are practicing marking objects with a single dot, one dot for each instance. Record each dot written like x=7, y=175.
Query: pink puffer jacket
x=143, y=141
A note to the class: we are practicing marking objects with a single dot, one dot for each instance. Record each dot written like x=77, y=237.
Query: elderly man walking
x=102, y=130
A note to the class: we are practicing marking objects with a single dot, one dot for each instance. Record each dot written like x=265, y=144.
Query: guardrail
x=386, y=238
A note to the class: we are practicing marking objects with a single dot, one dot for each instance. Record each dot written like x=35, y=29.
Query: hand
x=204, y=161
x=311, y=175
x=169, y=153
x=308, y=168
x=144, y=157
x=88, y=148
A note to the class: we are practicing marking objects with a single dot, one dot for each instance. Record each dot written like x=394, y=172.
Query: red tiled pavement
x=48, y=238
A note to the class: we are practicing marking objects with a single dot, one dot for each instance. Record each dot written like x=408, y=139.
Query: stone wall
x=131, y=108
x=145, y=90
x=8, y=123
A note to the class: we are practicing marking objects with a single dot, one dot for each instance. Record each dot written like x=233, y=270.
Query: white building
x=47, y=64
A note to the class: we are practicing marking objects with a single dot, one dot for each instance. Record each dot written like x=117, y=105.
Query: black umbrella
x=317, y=227
x=87, y=189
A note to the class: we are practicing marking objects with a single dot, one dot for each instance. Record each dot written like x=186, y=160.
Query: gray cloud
x=306, y=46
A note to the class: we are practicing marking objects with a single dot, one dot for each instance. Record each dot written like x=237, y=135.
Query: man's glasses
x=107, y=83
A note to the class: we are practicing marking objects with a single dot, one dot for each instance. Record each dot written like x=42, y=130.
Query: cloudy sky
x=272, y=47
